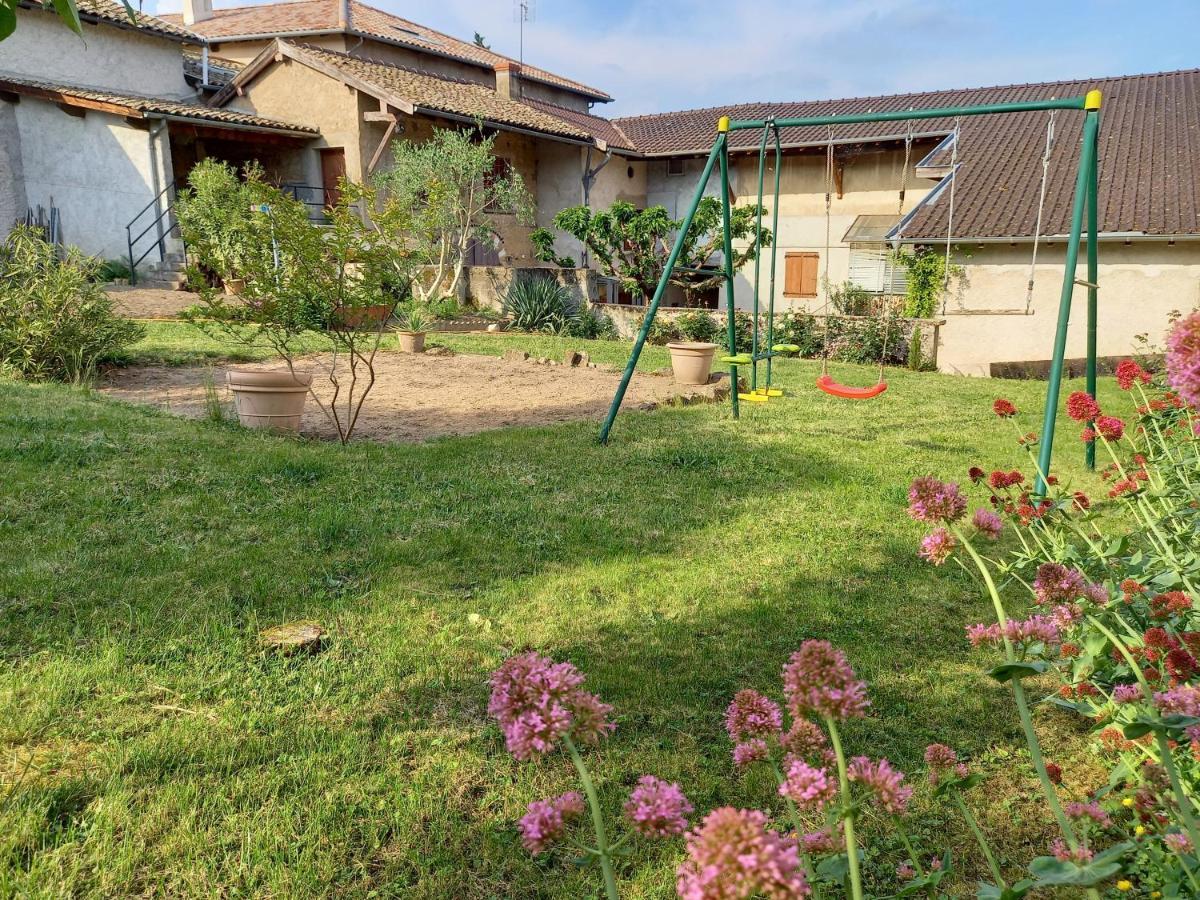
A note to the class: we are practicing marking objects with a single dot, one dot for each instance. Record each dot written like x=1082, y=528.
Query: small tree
x=450, y=189
x=339, y=284
x=632, y=245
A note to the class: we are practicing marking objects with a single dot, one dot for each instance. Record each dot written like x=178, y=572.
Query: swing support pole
x=1093, y=270
x=1083, y=194
x=774, y=244
x=727, y=248
x=718, y=150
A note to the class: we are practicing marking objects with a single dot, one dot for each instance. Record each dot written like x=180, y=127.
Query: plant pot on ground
x=270, y=400
x=691, y=361
x=234, y=286
x=414, y=323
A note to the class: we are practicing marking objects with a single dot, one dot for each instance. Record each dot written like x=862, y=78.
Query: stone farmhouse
x=317, y=89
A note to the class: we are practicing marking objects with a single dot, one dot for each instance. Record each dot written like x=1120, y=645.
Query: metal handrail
x=160, y=243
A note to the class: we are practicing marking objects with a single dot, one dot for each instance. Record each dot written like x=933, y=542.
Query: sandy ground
x=420, y=397
x=151, y=303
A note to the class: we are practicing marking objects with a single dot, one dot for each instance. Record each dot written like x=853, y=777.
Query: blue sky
x=679, y=54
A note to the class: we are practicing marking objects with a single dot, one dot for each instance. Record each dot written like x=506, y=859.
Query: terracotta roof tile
x=114, y=14
x=148, y=105
x=300, y=17
x=441, y=94
x=597, y=126
x=1149, y=152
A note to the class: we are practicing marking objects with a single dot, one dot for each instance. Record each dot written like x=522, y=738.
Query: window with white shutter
x=873, y=271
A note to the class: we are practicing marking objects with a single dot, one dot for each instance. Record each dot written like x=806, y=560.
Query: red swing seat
x=831, y=387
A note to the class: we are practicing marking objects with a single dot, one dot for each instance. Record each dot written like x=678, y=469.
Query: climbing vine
x=928, y=283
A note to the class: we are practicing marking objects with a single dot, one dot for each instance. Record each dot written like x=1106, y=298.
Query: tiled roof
x=114, y=14
x=220, y=71
x=1149, y=152
x=599, y=128
x=300, y=17
x=147, y=107
x=436, y=93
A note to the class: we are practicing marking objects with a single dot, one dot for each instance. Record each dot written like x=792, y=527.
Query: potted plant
x=691, y=361
x=414, y=324
x=272, y=400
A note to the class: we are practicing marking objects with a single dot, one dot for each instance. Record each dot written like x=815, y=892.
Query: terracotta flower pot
x=234, y=286
x=269, y=400
x=691, y=361
x=412, y=341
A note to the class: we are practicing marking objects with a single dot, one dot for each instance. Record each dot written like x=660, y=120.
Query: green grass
x=150, y=748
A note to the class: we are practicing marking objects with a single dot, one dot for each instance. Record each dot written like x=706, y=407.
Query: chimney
x=508, y=79
x=196, y=11
x=343, y=15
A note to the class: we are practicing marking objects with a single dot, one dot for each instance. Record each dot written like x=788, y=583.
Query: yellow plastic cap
x=723, y=123
x=1092, y=100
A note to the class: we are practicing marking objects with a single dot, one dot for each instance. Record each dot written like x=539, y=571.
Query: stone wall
x=487, y=285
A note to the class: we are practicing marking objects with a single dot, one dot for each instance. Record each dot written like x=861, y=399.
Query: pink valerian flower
x=1080, y=855
x=886, y=784
x=804, y=740
x=808, y=787
x=1004, y=408
x=1110, y=428
x=1088, y=811
x=658, y=808
x=747, y=752
x=937, y=546
x=750, y=714
x=1183, y=700
x=905, y=872
x=1178, y=842
x=1126, y=693
x=818, y=843
x=988, y=523
x=1096, y=593
x=546, y=820
x=1055, y=583
x=818, y=681
x=1183, y=359
x=942, y=759
x=538, y=702
x=732, y=854
x=1129, y=372
x=1035, y=629
x=1066, y=614
x=1082, y=407
x=931, y=500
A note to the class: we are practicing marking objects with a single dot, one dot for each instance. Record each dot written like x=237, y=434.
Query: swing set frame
x=1084, y=222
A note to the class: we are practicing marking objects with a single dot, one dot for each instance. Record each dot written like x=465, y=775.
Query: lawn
x=150, y=747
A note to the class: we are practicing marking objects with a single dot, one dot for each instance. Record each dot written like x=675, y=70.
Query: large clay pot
x=691, y=361
x=412, y=341
x=234, y=286
x=269, y=400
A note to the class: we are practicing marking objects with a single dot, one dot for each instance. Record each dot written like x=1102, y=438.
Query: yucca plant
x=540, y=305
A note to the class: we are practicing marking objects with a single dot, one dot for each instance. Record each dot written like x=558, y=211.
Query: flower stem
x=1031, y=738
x=856, y=891
x=912, y=853
x=973, y=824
x=602, y=848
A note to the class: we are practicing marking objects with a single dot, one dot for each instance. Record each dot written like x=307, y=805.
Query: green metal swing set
x=1083, y=207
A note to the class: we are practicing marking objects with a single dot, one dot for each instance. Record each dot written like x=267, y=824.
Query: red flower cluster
x=1082, y=407
x=1172, y=603
x=998, y=480
x=1004, y=408
x=1081, y=501
x=1131, y=588
x=1129, y=372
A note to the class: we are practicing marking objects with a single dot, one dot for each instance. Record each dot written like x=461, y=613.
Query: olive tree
x=451, y=189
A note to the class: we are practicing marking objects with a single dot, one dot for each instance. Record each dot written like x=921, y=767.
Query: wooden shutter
x=800, y=274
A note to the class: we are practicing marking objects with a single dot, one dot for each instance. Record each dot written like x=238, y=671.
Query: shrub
x=801, y=329
x=662, y=331
x=540, y=305
x=698, y=325
x=743, y=329
x=593, y=324
x=55, y=321
x=113, y=270
x=214, y=217
x=849, y=299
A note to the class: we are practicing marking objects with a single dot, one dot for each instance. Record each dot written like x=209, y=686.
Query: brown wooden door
x=333, y=169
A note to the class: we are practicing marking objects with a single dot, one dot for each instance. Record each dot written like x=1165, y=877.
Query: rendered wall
x=115, y=59
x=1140, y=284
x=98, y=190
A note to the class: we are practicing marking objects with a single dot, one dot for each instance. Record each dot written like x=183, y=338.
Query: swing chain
x=828, y=219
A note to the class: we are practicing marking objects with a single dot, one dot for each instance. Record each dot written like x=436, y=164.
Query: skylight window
x=411, y=32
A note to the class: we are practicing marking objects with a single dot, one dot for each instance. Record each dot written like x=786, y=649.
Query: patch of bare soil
x=151, y=303
x=421, y=397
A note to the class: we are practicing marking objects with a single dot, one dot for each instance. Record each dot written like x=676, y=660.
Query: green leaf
x=8, y=20
x=1051, y=871
x=833, y=869
x=957, y=784
x=69, y=14
x=1009, y=671
x=1143, y=725
x=1012, y=892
